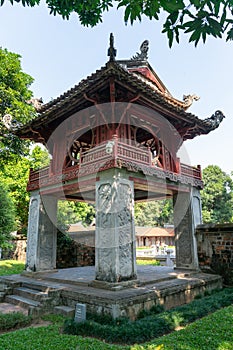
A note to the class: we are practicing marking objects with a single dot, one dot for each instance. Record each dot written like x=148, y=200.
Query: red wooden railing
x=133, y=153
x=36, y=175
x=94, y=154
x=191, y=171
x=98, y=154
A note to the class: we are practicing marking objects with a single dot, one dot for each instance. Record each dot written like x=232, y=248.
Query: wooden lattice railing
x=120, y=151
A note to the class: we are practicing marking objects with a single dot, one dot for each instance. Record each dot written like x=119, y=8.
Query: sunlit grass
x=143, y=248
x=148, y=262
x=213, y=332
x=50, y=338
x=11, y=267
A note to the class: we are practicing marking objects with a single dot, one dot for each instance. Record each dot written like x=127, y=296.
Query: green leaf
x=217, y=4
x=223, y=17
x=230, y=34
x=189, y=14
x=209, y=4
x=173, y=17
x=127, y=13
x=172, y=5
x=170, y=35
x=177, y=34
x=196, y=36
x=151, y=9
x=215, y=25
x=193, y=25
x=196, y=3
x=204, y=36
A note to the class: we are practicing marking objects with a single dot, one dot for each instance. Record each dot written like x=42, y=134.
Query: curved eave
x=73, y=98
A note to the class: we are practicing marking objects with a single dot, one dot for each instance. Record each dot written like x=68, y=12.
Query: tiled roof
x=144, y=86
x=139, y=231
x=135, y=78
x=154, y=232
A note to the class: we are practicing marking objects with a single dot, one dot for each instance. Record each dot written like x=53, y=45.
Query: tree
x=39, y=157
x=14, y=94
x=217, y=196
x=74, y=212
x=7, y=217
x=154, y=213
x=14, y=176
x=198, y=18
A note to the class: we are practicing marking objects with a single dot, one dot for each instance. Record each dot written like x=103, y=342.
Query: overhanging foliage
x=197, y=18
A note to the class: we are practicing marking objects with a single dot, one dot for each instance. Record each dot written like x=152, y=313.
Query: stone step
x=80, y=281
x=22, y=301
x=3, y=287
x=37, y=286
x=2, y=296
x=31, y=293
x=7, y=308
x=64, y=310
x=158, y=280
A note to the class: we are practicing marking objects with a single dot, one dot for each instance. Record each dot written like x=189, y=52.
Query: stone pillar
x=187, y=215
x=115, y=252
x=42, y=233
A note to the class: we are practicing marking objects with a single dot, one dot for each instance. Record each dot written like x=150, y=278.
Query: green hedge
x=13, y=320
x=212, y=332
x=152, y=326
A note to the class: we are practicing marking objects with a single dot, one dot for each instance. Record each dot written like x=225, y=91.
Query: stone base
x=36, y=274
x=64, y=310
x=189, y=271
x=129, y=302
x=114, y=286
x=156, y=285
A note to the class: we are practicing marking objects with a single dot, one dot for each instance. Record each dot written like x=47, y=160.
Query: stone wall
x=17, y=251
x=69, y=252
x=73, y=254
x=215, y=249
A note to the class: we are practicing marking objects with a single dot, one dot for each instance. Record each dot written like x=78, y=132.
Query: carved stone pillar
x=115, y=252
x=187, y=215
x=42, y=233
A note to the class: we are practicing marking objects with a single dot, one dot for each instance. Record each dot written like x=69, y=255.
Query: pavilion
x=113, y=140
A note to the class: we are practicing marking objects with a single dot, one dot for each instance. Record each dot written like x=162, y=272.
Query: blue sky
x=58, y=54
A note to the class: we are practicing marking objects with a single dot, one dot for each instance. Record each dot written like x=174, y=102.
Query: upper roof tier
x=135, y=81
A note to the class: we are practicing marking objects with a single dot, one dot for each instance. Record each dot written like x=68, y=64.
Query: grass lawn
x=148, y=262
x=50, y=338
x=213, y=332
x=11, y=267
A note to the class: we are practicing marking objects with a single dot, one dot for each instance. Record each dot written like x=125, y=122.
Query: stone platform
x=155, y=285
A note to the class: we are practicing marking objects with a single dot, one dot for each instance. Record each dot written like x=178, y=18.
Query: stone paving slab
x=6, y=308
x=153, y=278
x=85, y=275
x=79, y=280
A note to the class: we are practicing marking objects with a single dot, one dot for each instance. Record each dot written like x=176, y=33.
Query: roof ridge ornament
x=143, y=55
x=215, y=120
x=188, y=99
x=7, y=121
x=36, y=103
x=111, y=51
